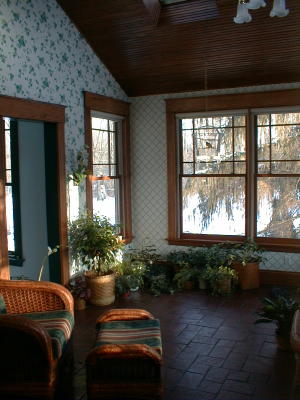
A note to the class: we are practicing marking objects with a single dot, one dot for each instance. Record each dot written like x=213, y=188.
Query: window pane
x=100, y=147
x=285, y=142
x=8, y=176
x=263, y=119
x=187, y=145
x=213, y=205
x=101, y=170
x=263, y=167
x=99, y=123
x=106, y=199
x=285, y=118
x=9, y=218
x=214, y=144
x=214, y=168
x=263, y=143
x=240, y=144
x=240, y=167
x=187, y=123
x=188, y=168
x=240, y=120
x=278, y=207
x=285, y=167
x=113, y=147
x=7, y=150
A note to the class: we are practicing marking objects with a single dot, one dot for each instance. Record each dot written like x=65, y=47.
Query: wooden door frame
x=45, y=112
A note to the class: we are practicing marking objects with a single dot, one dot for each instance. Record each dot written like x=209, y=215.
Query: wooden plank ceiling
x=151, y=50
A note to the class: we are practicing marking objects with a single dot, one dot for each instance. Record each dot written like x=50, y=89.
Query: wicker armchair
x=29, y=363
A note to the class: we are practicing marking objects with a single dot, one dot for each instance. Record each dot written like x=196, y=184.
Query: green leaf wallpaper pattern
x=44, y=57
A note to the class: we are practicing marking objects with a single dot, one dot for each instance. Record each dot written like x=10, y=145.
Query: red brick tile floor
x=212, y=349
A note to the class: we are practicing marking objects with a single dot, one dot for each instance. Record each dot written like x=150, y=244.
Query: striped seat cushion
x=2, y=305
x=130, y=332
x=59, y=324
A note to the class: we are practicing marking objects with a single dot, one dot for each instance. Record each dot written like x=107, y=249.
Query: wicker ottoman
x=125, y=362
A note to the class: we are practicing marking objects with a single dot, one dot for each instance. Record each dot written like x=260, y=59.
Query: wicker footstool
x=125, y=362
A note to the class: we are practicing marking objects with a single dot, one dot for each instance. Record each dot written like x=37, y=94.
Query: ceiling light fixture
x=243, y=15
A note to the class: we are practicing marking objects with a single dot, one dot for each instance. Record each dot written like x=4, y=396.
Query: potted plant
x=279, y=308
x=79, y=288
x=129, y=275
x=245, y=260
x=220, y=279
x=186, y=276
x=95, y=244
x=194, y=259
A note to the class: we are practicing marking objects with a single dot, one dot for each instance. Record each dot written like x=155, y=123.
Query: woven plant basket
x=102, y=289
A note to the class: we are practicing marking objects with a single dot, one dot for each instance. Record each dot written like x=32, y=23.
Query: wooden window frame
x=96, y=102
x=245, y=101
x=14, y=107
x=16, y=256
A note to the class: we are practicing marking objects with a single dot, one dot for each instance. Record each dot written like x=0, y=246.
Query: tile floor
x=212, y=349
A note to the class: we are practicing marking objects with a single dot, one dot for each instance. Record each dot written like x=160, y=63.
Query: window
x=12, y=192
x=234, y=174
x=107, y=137
x=212, y=179
x=106, y=171
x=278, y=175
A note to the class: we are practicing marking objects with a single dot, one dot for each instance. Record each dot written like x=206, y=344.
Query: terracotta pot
x=79, y=304
x=102, y=289
x=188, y=285
x=248, y=275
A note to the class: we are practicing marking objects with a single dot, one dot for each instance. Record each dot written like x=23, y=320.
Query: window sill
x=277, y=246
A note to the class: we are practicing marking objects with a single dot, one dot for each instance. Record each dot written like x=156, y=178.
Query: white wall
x=149, y=172
x=32, y=199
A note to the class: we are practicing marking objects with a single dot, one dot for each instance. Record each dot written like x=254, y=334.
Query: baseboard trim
x=280, y=278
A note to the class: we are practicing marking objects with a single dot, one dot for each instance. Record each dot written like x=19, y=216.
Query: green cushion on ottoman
x=2, y=305
x=59, y=324
x=130, y=332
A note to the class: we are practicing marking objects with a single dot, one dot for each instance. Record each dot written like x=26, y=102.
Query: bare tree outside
x=213, y=174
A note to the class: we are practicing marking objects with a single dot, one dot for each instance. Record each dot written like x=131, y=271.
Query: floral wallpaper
x=44, y=57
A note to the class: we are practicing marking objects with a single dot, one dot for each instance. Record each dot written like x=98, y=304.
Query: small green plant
x=160, y=284
x=147, y=254
x=279, y=308
x=79, y=167
x=130, y=275
x=220, y=279
x=247, y=252
x=218, y=254
x=94, y=243
x=186, y=274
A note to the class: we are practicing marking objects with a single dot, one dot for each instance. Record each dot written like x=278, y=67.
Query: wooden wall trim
x=34, y=110
x=30, y=109
x=234, y=101
x=98, y=102
x=4, y=264
x=279, y=278
x=62, y=206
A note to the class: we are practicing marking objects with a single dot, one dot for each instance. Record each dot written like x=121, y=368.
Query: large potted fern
x=94, y=244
